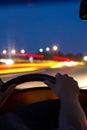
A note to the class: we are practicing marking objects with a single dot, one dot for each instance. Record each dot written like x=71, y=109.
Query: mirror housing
x=83, y=10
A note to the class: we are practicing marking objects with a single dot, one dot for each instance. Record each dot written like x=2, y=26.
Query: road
x=79, y=73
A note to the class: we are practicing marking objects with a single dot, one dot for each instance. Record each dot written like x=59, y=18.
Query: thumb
x=49, y=84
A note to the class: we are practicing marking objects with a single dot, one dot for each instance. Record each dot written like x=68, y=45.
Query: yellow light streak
x=67, y=64
x=17, y=70
x=24, y=67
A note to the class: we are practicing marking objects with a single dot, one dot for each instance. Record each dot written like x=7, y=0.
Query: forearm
x=71, y=114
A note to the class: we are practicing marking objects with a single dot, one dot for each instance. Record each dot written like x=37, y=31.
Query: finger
x=50, y=84
x=66, y=75
x=10, y=90
x=58, y=75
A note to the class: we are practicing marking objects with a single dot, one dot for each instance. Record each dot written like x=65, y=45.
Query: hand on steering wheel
x=4, y=95
x=7, y=88
x=64, y=86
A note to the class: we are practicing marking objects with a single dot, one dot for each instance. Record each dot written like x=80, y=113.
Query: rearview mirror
x=83, y=10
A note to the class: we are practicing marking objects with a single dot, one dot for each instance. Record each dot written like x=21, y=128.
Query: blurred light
x=7, y=61
x=47, y=49
x=31, y=55
x=55, y=48
x=85, y=58
x=66, y=63
x=33, y=66
x=13, y=51
x=4, y=52
x=31, y=59
x=61, y=58
x=22, y=51
x=40, y=50
x=71, y=63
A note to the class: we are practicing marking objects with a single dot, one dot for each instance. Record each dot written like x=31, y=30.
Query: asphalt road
x=79, y=73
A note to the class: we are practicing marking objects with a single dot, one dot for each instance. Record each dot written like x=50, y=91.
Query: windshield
x=43, y=38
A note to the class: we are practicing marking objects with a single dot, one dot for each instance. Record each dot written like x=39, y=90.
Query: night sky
x=35, y=26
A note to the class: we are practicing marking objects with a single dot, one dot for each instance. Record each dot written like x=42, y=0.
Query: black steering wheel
x=27, y=78
x=38, y=116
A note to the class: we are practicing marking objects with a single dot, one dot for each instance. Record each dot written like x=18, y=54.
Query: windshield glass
x=43, y=38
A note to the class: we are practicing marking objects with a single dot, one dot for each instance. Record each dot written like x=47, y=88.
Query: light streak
x=14, y=68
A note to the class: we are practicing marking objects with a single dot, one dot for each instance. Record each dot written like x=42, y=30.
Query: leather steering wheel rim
x=27, y=78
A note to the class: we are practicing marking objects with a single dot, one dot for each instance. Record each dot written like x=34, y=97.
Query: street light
x=55, y=48
x=22, y=51
x=4, y=52
x=13, y=51
x=41, y=50
x=47, y=49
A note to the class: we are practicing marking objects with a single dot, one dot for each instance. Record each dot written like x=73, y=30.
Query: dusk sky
x=42, y=25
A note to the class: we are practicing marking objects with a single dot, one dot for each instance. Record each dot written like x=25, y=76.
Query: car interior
x=38, y=107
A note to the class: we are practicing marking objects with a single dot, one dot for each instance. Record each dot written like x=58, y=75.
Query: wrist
x=68, y=101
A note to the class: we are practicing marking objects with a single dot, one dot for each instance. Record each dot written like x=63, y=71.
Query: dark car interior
x=38, y=107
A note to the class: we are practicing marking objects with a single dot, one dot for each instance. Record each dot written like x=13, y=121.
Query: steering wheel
x=38, y=116
x=27, y=78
